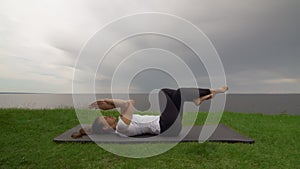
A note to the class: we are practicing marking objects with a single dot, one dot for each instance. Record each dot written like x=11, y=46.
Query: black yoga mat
x=221, y=134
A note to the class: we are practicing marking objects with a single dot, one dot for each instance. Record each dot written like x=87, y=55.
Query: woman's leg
x=169, y=113
x=182, y=95
x=213, y=92
x=171, y=105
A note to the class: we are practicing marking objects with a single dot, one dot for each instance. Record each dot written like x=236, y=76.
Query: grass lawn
x=26, y=142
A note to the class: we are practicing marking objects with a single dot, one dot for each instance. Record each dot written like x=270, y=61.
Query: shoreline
x=245, y=103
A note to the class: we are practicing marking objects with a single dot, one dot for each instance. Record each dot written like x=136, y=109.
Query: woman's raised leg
x=171, y=105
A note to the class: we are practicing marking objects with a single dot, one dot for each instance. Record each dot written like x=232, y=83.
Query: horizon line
x=131, y=93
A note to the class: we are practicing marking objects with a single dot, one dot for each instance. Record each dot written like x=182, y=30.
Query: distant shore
x=246, y=103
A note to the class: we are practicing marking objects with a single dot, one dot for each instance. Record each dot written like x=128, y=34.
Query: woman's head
x=104, y=124
x=82, y=132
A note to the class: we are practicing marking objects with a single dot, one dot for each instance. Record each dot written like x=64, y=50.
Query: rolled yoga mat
x=221, y=134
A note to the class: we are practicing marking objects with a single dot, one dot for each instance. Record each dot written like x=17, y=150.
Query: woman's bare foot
x=213, y=92
x=222, y=89
x=219, y=90
x=198, y=101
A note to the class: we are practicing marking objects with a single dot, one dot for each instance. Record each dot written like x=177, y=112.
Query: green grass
x=26, y=142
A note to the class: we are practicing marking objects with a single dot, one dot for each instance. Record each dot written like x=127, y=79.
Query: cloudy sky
x=257, y=41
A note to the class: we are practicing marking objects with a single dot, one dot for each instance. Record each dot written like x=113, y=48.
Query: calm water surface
x=245, y=103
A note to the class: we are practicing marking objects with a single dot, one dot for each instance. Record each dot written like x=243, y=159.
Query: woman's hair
x=96, y=128
x=82, y=132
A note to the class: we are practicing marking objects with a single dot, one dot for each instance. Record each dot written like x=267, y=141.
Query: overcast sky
x=258, y=43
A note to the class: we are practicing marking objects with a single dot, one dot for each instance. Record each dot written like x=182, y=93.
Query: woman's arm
x=126, y=106
x=127, y=112
x=102, y=104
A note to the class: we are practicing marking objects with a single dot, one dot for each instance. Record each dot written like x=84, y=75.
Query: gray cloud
x=258, y=42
